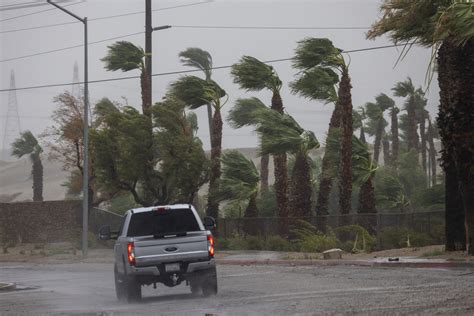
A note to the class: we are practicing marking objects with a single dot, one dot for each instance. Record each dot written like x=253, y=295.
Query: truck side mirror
x=209, y=223
x=104, y=233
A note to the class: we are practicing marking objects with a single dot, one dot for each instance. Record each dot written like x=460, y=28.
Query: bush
x=277, y=243
x=398, y=237
x=362, y=240
x=317, y=243
x=237, y=243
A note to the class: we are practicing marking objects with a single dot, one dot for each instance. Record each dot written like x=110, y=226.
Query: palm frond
x=316, y=84
x=196, y=92
x=253, y=75
x=26, y=144
x=384, y=102
x=243, y=112
x=404, y=88
x=317, y=52
x=197, y=58
x=123, y=56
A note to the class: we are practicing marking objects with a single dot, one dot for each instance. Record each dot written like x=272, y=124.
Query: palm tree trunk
x=281, y=175
x=412, y=136
x=367, y=203
x=362, y=134
x=345, y=183
x=456, y=72
x=251, y=212
x=378, y=140
x=264, y=161
x=300, y=187
x=395, y=139
x=432, y=153
x=215, y=172
x=454, y=213
x=145, y=87
x=423, y=145
x=386, y=150
x=327, y=172
x=37, y=173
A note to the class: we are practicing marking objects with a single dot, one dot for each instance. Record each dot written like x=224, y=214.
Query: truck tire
x=209, y=284
x=119, y=284
x=133, y=290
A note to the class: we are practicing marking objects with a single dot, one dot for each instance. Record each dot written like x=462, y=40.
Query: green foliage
x=197, y=58
x=27, y=144
x=272, y=243
x=309, y=239
x=400, y=237
x=253, y=75
x=121, y=203
x=196, y=92
x=277, y=243
x=316, y=84
x=242, y=114
x=431, y=197
x=362, y=240
x=389, y=191
x=266, y=203
x=124, y=56
x=316, y=52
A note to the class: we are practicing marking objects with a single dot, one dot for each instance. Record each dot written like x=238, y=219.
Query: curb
x=359, y=263
x=7, y=286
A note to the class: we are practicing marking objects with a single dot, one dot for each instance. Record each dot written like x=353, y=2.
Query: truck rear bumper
x=155, y=270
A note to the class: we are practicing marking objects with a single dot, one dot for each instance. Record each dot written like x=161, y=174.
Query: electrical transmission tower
x=12, y=124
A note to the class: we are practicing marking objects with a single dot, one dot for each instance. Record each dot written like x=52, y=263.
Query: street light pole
x=85, y=166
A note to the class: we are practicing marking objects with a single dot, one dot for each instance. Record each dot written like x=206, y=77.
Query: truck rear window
x=168, y=222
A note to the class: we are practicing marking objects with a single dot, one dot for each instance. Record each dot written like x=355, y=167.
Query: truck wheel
x=119, y=284
x=209, y=285
x=133, y=290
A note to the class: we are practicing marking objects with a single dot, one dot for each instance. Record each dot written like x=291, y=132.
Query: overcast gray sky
x=372, y=72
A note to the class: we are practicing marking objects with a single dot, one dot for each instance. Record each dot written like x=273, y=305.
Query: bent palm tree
x=406, y=89
x=196, y=92
x=239, y=182
x=447, y=26
x=27, y=144
x=253, y=75
x=318, y=60
x=377, y=122
x=200, y=59
x=394, y=131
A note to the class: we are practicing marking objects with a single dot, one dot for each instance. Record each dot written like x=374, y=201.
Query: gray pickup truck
x=163, y=244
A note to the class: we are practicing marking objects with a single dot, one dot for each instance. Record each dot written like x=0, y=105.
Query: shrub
x=277, y=243
x=317, y=243
x=254, y=243
x=362, y=240
x=398, y=237
x=237, y=243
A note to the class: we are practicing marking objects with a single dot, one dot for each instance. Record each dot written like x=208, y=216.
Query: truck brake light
x=131, y=253
x=210, y=245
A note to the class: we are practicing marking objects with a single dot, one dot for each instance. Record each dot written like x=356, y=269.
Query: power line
x=273, y=27
x=70, y=47
x=105, y=17
x=185, y=71
x=17, y=4
x=36, y=12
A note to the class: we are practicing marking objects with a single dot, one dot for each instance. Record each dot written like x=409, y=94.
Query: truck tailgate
x=151, y=251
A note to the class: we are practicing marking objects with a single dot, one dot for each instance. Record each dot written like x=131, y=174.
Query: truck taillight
x=210, y=245
x=131, y=253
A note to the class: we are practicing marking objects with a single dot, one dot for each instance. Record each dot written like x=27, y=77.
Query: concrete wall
x=40, y=222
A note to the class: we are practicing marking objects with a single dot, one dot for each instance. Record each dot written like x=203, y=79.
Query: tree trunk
x=412, y=126
x=281, y=176
x=394, y=130
x=264, y=161
x=300, y=187
x=423, y=145
x=37, y=173
x=386, y=150
x=327, y=172
x=454, y=213
x=345, y=183
x=456, y=114
x=215, y=172
x=362, y=134
x=367, y=204
x=432, y=153
x=251, y=212
x=378, y=140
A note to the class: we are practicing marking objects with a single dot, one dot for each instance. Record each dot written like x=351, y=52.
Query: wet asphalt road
x=88, y=289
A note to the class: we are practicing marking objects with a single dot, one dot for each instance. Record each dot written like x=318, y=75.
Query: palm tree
x=281, y=134
x=27, y=144
x=319, y=61
x=447, y=27
x=394, y=110
x=196, y=92
x=126, y=56
x=377, y=123
x=239, y=182
x=407, y=89
x=431, y=135
x=200, y=59
x=253, y=75
x=358, y=118
x=421, y=116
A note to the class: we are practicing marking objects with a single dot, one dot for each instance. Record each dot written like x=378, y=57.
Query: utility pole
x=85, y=165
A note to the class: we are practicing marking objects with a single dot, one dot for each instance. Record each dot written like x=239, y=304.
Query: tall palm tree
x=407, y=89
x=196, y=92
x=431, y=135
x=239, y=182
x=421, y=116
x=27, y=144
x=126, y=56
x=319, y=63
x=447, y=26
x=253, y=75
x=279, y=134
x=394, y=110
x=377, y=123
x=200, y=59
